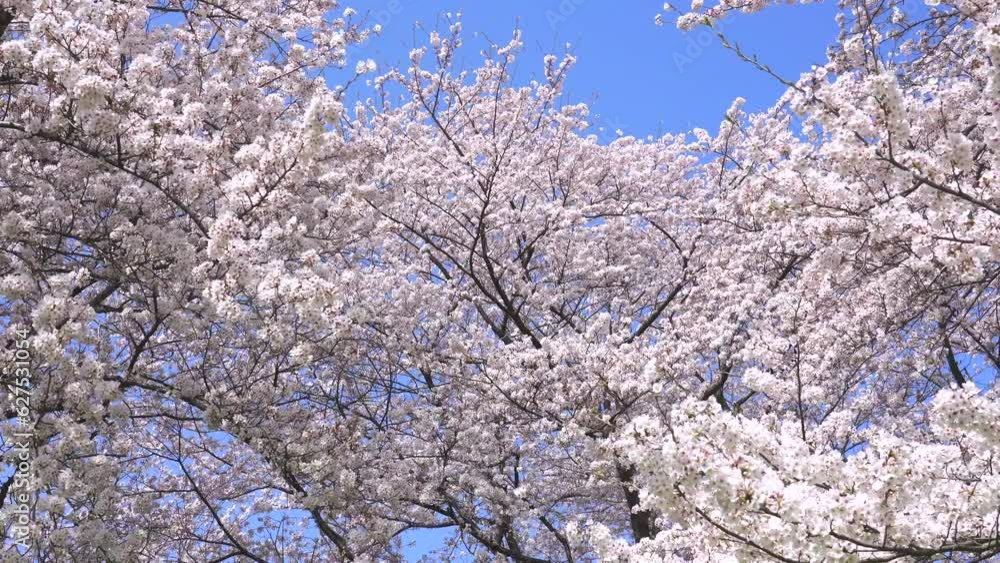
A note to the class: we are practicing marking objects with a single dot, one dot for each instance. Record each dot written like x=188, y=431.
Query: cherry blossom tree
x=267, y=324
x=868, y=430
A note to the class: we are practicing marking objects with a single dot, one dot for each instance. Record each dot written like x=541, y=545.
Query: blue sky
x=637, y=77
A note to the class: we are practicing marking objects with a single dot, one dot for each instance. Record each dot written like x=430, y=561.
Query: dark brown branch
x=642, y=522
x=6, y=17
